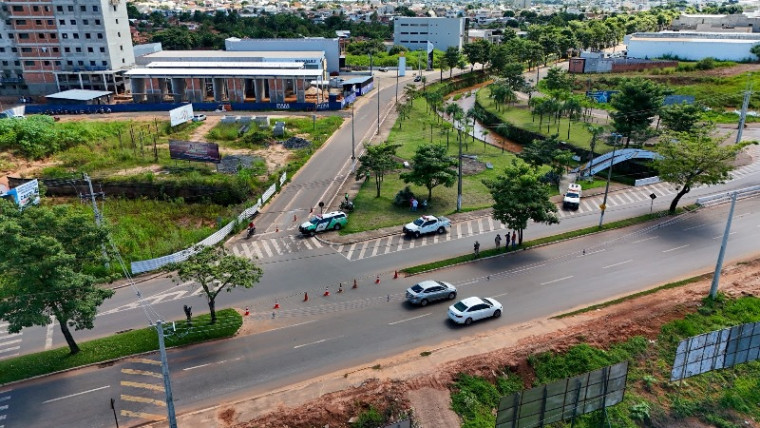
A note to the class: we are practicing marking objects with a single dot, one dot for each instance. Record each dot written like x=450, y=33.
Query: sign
x=402, y=66
x=196, y=152
x=25, y=194
x=181, y=115
x=601, y=96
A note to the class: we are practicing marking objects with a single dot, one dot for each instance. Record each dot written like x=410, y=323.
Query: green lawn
x=120, y=345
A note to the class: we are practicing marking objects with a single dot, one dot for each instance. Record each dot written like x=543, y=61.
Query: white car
x=473, y=309
x=427, y=224
x=199, y=117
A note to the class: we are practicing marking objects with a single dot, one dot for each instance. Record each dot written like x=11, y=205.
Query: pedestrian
x=506, y=246
x=497, y=240
x=514, y=239
x=414, y=204
x=477, y=249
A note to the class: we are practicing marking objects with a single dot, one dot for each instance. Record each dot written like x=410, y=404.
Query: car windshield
x=419, y=222
x=572, y=195
x=417, y=288
x=315, y=220
x=461, y=307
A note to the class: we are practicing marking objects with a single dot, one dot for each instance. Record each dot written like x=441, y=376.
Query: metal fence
x=213, y=239
x=726, y=197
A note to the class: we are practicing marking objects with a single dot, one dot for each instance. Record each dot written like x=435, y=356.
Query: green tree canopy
x=519, y=196
x=431, y=167
x=693, y=158
x=681, y=117
x=638, y=101
x=216, y=270
x=376, y=161
x=452, y=57
x=547, y=151
x=50, y=260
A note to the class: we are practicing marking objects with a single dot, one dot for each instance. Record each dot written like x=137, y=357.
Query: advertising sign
x=601, y=96
x=196, y=152
x=402, y=66
x=181, y=115
x=25, y=194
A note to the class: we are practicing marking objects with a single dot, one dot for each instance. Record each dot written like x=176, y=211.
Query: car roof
x=332, y=214
x=472, y=301
x=428, y=283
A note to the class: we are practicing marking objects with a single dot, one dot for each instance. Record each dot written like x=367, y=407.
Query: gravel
x=296, y=143
x=231, y=163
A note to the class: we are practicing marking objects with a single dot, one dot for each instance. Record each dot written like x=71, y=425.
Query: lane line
x=676, y=248
x=143, y=415
x=410, y=319
x=147, y=361
x=645, y=239
x=499, y=295
x=617, y=264
x=588, y=253
x=145, y=400
x=77, y=394
x=196, y=367
x=721, y=236
x=317, y=342
x=289, y=326
x=556, y=280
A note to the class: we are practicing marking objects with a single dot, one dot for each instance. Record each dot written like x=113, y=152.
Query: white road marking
x=77, y=394
x=10, y=342
x=13, y=348
x=350, y=251
x=276, y=246
x=721, y=236
x=196, y=367
x=289, y=326
x=363, y=250
x=377, y=245
x=306, y=244
x=410, y=319
x=311, y=343
x=694, y=227
x=265, y=247
x=617, y=264
x=676, y=248
x=556, y=280
x=499, y=295
x=645, y=239
x=588, y=253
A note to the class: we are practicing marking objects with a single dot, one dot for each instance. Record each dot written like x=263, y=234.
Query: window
x=47, y=8
x=87, y=35
x=121, y=48
x=50, y=22
x=118, y=33
x=26, y=50
x=29, y=63
x=17, y=63
x=40, y=35
x=80, y=62
x=2, y=49
x=69, y=62
x=90, y=50
x=36, y=8
x=47, y=62
x=94, y=8
x=73, y=22
x=102, y=49
x=53, y=36
x=76, y=35
x=10, y=35
x=66, y=50
x=18, y=8
x=37, y=22
x=23, y=36
x=100, y=35
x=117, y=20
x=122, y=61
x=21, y=22
x=97, y=22
x=104, y=63
x=55, y=50
x=83, y=8
x=65, y=35
x=70, y=8
x=85, y=22
x=61, y=22
x=59, y=8
x=92, y=62
x=79, y=49
x=5, y=62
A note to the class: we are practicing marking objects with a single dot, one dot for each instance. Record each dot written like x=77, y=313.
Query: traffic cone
x=377, y=280
x=355, y=284
x=247, y=311
x=311, y=210
x=327, y=291
x=294, y=218
x=305, y=296
x=276, y=305
x=277, y=228
x=395, y=274
x=340, y=288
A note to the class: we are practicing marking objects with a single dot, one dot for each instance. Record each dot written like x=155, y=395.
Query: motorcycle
x=347, y=206
x=251, y=231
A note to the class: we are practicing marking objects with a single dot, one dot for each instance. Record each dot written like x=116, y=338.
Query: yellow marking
x=143, y=415
x=142, y=385
x=147, y=361
x=142, y=372
x=142, y=400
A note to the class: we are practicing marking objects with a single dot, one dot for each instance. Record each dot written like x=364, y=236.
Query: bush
x=369, y=418
x=706, y=64
x=403, y=197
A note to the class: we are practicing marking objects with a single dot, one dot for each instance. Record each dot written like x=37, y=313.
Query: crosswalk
x=293, y=244
x=5, y=398
x=10, y=343
x=142, y=390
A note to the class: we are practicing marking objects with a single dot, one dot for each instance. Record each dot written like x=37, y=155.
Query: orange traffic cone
x=305, y=296
x=327, y=291
x=395, y=274
x=294, y=218
x=247, y=311
x=355, y=284
x=276, y=305
x=277, y=228
x=377, y=280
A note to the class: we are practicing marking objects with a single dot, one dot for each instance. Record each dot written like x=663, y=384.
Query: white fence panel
x=283, y=177
x=645, y=181
x=268, y=194
x=725, y=197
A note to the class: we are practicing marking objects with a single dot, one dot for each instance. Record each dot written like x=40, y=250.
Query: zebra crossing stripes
x=10, y=343
x=5, y=397
x=142, y=390
x=267, y=248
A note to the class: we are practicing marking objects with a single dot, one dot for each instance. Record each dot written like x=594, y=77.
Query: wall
x=442, y=32
x=330, y=47
x=692, y=49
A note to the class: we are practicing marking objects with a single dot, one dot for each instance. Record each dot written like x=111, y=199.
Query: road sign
x=653, y=196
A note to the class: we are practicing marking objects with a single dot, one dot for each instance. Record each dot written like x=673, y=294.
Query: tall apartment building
x=48, y=46
x=414, y=33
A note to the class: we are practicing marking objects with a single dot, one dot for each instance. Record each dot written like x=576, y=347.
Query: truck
x=427, y=224
x=572, y=199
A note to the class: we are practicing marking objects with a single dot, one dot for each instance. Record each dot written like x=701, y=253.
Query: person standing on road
x=514, y=239
x=506, y=245
x=497, y=240
x=477, y=249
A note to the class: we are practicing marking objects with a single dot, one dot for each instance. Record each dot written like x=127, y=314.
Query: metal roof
x=357, y=80
x=235, y=54
x=78, y=94
x=225, y=72
x=224, y=64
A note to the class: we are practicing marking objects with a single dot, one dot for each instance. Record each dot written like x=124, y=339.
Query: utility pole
x=609, y=177
x=165, y=372
x=353, y=140
x=719, y=264
x=459, y=172
x=743, y=115
x=378, y=106
x=397, y=84
x=98, y=216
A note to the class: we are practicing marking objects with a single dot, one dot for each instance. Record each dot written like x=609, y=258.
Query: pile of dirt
x=428, y=395
x=296, y=143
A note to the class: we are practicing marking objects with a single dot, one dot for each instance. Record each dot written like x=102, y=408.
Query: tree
x=452, y=57
x=216, y=270
x=638, y=101
x=681, y=117
x=519, y=196
x=547, y=152
x=755, y=50
x=512, y=74
x=431, y=167
x=558, y=81
x=691, y=159
x=50, y=261
x=377, y=160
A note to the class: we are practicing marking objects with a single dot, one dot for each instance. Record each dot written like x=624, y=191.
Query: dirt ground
x=423, y=388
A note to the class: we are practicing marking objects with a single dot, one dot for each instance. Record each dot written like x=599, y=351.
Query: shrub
x=706, y=64
x=640, y=411
x=403, y=197
x=369, y=418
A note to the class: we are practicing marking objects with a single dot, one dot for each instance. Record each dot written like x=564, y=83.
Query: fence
x=59, y=109
x=646, y=181
x=725, y=197
x=213, y=239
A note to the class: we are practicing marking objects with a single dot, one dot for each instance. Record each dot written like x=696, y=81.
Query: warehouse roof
x=224, y=64
x=225, y=72
x=78, y=95
x=235, y=54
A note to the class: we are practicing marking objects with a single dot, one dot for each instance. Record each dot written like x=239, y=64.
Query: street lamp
x=616, y=138
x=378, y=105
x=353, y=141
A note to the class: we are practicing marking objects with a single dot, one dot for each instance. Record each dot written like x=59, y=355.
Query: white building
x=692, y=45
x=414, y=33
x=330, y=47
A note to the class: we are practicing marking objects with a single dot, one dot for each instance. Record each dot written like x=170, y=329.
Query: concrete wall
x=442, y=32
x=695, y=49
x=329, y=46
x=716, y=22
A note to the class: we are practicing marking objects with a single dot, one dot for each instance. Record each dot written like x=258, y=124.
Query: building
x=414, y=33
x=600, y=62
x=692, y=45
x=734, y=23
x=56, y=45
x=330, y=47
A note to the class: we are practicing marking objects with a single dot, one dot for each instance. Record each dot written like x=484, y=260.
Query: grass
x=527, y=244
x=723, y=398
x=120, y=345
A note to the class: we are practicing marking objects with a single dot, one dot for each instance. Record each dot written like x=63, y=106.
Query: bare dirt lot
x=404, y=383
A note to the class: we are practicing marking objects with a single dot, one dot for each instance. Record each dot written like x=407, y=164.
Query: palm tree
x=595, y=131
x=573, y=108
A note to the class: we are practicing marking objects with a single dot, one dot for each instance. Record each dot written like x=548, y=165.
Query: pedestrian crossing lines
x=5, y=398
x=10, y=343
x=142, y=390
x=268, y=248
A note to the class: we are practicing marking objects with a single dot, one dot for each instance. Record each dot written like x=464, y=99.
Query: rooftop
x=235, y=54
x=225, y=72
x=78, y=94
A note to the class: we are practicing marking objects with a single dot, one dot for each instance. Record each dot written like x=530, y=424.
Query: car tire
x=497, y=313
x=468, y=321
x=452, y=296
x=423, y=302
x=416, y=235
x=441, y=230
x=337, y=226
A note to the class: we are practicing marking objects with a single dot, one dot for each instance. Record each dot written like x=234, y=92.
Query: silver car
x=429, y=291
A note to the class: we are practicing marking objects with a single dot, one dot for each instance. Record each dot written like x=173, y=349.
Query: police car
x=320, y=223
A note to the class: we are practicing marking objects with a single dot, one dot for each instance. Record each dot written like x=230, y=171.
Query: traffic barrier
x=355, y=284
x=305, y=296
x=377, y=280
x=247, y=311
x=327, y=291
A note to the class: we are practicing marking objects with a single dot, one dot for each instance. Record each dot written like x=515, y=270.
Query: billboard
x=25, y=194
x=402, y=66
x=180, y=115
x=193, y=151
x=601, y=96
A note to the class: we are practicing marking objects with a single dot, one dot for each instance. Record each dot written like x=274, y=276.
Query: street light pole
x=396, y=84
x=353, y=141
x=378, y=106
x=609, y=177
x=722, y=252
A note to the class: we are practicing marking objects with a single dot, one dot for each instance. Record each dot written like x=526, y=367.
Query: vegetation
x=120, y=345
x=376, y=161
x=650, y=399
x=431, y=167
